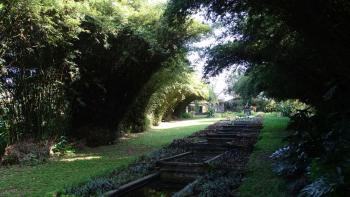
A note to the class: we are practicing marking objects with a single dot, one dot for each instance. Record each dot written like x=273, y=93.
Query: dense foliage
x=292, y=50
x=170, y=89
x=75, y=68
x=35, y=60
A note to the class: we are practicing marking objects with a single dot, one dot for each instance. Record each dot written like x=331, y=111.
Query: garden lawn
x=259, y=178
x=48, y=178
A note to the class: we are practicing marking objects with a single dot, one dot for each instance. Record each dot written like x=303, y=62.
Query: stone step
x=231, y=135
x=237, y=131
x=206, y=147
x=185, y=166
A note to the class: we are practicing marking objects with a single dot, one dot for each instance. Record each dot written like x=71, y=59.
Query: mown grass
x=259, y=178
x=48, y=178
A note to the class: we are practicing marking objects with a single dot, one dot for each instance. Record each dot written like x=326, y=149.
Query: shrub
x=230, y=115
x=259, y=103
x=27, y=153
x=186, y=115
x=62, y=147
x=286, y=108
x=271, y=106
x=211, y=113
x=290, y=107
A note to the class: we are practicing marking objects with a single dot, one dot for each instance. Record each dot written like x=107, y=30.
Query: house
x=198, y=107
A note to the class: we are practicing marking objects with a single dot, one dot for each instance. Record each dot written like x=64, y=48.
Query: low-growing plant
x=62, y=146
x=311, y=162
x=318, y=188
x=143, y=166
x=99, y=185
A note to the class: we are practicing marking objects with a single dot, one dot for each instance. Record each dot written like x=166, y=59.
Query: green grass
x=259, y=178
x=48, y=178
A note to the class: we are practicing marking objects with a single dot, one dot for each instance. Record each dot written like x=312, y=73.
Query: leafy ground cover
x=48, y=178
x=260, y=180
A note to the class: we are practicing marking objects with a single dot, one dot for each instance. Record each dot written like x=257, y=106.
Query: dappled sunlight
x=129, y=136
x=184, y=123
x=211, y=120
x=81, y=158
x=92, y=157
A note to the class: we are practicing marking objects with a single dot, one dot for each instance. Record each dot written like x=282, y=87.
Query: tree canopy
x=292, y=50
x=76, y=67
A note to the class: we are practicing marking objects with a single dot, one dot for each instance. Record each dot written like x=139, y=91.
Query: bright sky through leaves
x=198, y=61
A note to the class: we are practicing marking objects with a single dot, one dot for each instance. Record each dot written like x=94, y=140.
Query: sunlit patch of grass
x=80, y=158
x=185, y=123
x=57, y=174
x=259, y=178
